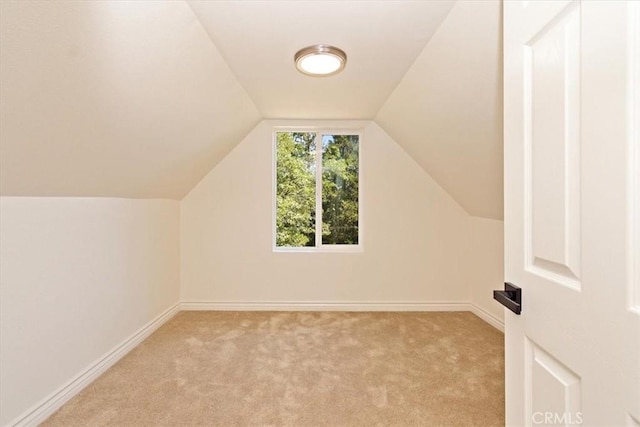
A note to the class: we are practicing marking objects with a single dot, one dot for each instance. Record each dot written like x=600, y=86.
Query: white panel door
x=572, y=216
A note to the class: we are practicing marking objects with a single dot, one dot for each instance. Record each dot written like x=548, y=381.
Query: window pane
x=295, y=189
x=340, y=189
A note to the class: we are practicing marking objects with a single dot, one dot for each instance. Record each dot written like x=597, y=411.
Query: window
x=317, y=194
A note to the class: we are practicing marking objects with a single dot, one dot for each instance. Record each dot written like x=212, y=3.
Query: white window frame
x=319, y=247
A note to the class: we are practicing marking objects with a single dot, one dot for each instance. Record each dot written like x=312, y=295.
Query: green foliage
x=340, y=189
x=295, y=189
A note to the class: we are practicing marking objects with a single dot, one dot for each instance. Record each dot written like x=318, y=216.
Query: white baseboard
x=487, y=317
x=342, y=306
x=42, y=410
x=321, y=306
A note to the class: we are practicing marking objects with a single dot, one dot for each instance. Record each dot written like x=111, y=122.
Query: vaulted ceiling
x=447, y=110
x=259, y=40
x=142, y=99
x=115, y=98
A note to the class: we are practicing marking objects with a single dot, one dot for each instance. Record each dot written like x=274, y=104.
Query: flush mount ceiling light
x=320, y=60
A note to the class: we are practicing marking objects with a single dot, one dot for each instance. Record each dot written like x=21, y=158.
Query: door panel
x=552, y=389
x=571, y=211
x=552, y=149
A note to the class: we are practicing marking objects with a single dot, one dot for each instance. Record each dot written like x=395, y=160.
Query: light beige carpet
x=302, y=369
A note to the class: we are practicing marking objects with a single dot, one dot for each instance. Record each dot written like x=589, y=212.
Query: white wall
x=416, y=238
x=487, y=266
x=78, y=276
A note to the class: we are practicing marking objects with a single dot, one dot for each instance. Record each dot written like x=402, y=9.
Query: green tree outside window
x=296, y=189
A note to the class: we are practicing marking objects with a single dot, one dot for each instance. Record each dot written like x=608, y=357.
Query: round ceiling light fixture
x=320, y=60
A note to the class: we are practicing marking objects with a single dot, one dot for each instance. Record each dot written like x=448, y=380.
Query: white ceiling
x=447, y=111
x=258, y=39
x=118, y=98
x=143, y=98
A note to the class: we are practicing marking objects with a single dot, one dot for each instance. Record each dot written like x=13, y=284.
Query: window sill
x=333, y=249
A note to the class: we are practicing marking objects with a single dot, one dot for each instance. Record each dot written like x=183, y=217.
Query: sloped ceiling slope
x=259, y=39
x=447, y=110
x=126, y=99
x=143, y=98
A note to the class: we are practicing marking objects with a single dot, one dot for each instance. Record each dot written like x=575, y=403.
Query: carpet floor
x=302, y=369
